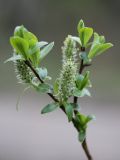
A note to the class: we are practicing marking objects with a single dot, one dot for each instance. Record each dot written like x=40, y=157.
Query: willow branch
x=84, y=144
x=62, y=107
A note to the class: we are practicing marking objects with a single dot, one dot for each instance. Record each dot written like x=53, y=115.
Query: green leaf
x=102, y=39
x=82, y=135
x=37, y=47
x=42, y=44
x=34, y=53
x=46, y=50
x=20, y=45
x=49, y=108
x=77, y=93
x=77, y=39
x=85, y=35
x=98, y=39
x=85, y=92
x=99, y=49
x=82, y=119
x=43, y=88
x=80, y=25
x=29, y=36
x=19, y=30
x=42, y=72
x=81, y=93
x=90, y=118
x=69, y=111
x=14, y=58
x=85, y=80
x=79, y=79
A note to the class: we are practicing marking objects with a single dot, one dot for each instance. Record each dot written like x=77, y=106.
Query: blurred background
x=27, y=135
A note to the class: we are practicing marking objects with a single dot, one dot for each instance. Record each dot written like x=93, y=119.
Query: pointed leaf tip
x=85, y=35
x=49, y=108
x=69, y=111
x=46, y=50
x=80, y=25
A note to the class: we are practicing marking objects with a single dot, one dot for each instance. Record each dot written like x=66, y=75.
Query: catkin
x=23, y=73
x=69, y=70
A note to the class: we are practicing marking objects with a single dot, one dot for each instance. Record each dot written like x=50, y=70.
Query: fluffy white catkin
x=23, y=73
x=69, y=70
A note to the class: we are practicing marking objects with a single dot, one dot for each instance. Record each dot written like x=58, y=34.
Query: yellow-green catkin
x=23, y=72
x=69, y=70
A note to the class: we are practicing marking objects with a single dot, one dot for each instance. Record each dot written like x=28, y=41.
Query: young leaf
x=82, y=119
x=102, y=39
x=90, y=118
x=14, y=58
x=42, y=44
x=43, y=88
x=42, y=72
x=82, y=135
x=29, y=36
x=77, y=93
x=20, y=45
x=34, y=52
x=85, y=80
x=46, y=50
x=81, y=93
x=19, y=30
x=98, y=40
x=79, y=79
x=80, y=25
x=37, y=47
x=69, y=111
x=85, y=35
x=49, y=108
x=99, y=49
x=85, y=92
x=77, y=39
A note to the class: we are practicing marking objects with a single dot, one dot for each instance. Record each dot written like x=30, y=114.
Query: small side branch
x=75, y=100
x=84, y=144
x=36, y=74
x=85, y=147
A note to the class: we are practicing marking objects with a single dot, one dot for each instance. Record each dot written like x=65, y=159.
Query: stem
x=84, y=144
x=85, y=147
x=36, y=74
